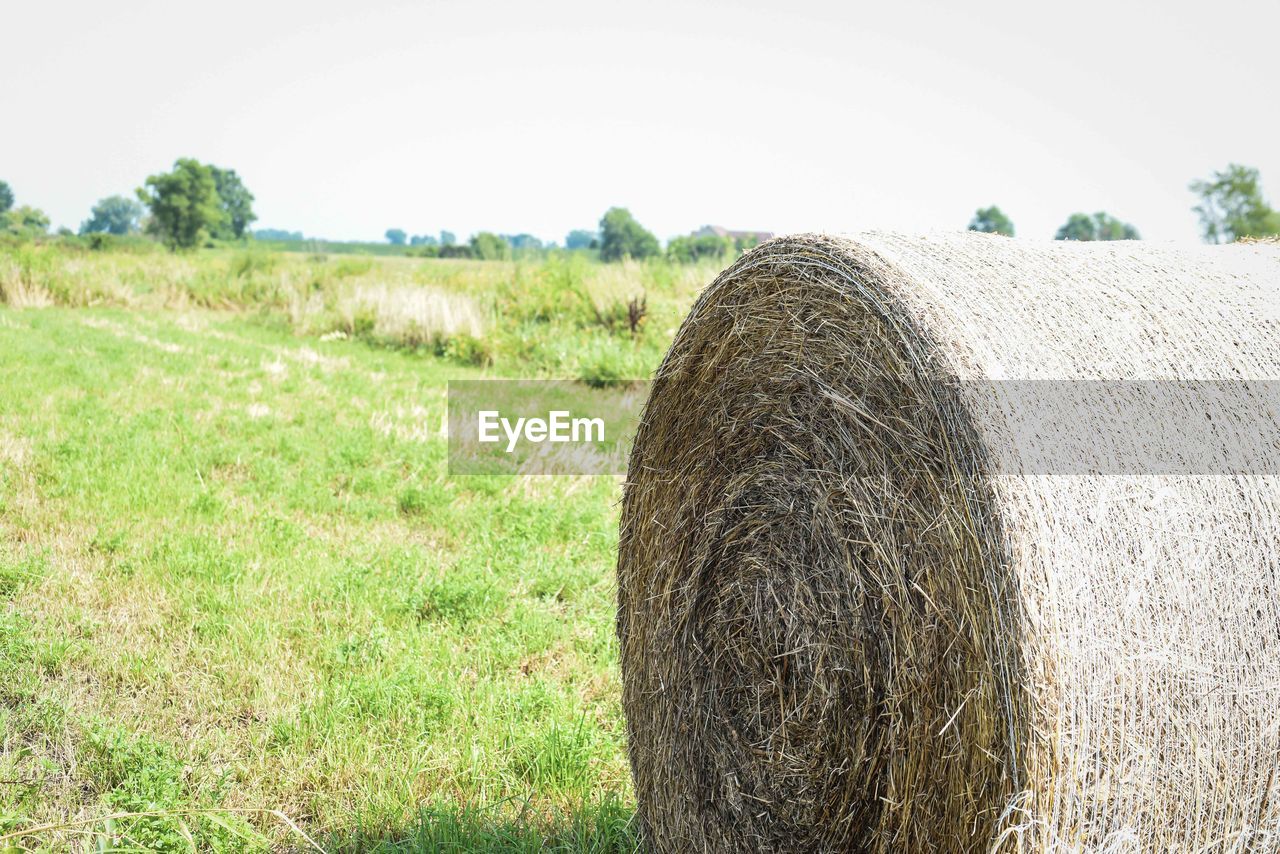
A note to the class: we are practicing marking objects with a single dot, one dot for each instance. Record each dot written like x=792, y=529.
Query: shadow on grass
x=607, y=827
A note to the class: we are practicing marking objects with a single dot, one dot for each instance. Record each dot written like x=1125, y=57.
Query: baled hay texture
x=845, y=626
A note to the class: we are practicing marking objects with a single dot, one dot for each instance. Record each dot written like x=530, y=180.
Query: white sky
x=347, y=118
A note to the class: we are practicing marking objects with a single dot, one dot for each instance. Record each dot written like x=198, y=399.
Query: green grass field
x=241, y=605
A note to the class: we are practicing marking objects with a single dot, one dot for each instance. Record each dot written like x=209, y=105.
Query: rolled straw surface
x=852, y=619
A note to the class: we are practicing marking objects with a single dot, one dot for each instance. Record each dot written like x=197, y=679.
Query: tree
x=992, y=221
x=1231, y=206
x=25, y=221
x=423, y=240
x=692, y=248
x=1079, y=227
x=113, y=215
x=1100, y=226
x=278, y=234
x=1110, y=228
x=580, y=238
x=396, y=236
x=522, y=241
x=453, y=250
x=6, y=197
x=448, y=238
x=488, y=246
x=185, y=207
x=236, y=202
x=622, y=237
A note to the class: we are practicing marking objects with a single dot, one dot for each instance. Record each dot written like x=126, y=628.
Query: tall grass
x=409, y=315
x=18, y=289
x=560, y=315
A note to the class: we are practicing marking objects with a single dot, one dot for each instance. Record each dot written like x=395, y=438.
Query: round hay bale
x=850, y=618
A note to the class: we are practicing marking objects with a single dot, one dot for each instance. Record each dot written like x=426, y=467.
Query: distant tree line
x=197, y=202
x=484, y=246
x=1079, y=226
x=620, y=236
x=446, y=245
x=278, y=234
x=582, y=239
x=696, y=247
x=1231, y=207
x=185, y=207
x=1100, y=226
x=22, y=222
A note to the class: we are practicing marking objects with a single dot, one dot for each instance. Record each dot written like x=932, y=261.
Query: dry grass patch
x=411, y=315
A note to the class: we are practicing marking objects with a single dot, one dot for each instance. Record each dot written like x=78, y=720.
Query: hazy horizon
x=345, y=121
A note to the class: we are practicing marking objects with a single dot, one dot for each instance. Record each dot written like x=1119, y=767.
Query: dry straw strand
x=844, y=625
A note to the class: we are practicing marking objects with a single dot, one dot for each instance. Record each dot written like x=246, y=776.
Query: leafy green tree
x=580, y=238
x=237, y=204
x=113, y=215
x=6, y=197
x=992, y=221
x=453, y=250
x=622, y=237
x=25, y=221
x=448, y=238
x=184, y=204
x=396, y=236
x=1079, y=227
x=488, y=246
x=1110, y=228
x=689, y=249
x=424, y=240
x=522, y=241
x=1100, y=226
x=1231, y=206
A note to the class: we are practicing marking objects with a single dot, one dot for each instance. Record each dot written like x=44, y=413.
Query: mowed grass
x=242, y=605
